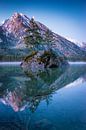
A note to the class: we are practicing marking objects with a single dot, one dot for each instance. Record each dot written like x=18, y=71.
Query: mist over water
x=10, y=63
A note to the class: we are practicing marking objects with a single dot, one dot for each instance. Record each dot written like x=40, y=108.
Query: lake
x=52, y=100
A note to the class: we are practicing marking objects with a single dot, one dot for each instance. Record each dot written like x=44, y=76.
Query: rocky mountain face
x=84, y=45
x=14, y=31
x=78, y=43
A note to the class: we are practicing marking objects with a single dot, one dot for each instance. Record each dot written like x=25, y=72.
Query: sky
x=65, y=17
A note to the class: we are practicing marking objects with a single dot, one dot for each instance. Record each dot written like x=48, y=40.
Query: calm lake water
x=52, y=100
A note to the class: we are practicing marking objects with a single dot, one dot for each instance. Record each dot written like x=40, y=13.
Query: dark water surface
x=52, y=100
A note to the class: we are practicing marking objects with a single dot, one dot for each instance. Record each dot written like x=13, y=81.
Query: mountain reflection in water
x=22, y=93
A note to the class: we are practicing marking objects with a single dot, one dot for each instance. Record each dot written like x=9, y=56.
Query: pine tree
x=34, y=36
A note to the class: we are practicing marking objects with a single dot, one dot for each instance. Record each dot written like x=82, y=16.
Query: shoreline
x=10, y=63
x=76, y=62
x=18, y=63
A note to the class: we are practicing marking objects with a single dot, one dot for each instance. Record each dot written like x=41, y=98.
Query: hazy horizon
x=67, y=18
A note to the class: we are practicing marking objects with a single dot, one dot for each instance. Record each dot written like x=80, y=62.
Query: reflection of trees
x=29, y=91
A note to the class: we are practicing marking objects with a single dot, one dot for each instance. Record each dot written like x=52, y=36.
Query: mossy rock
x=38, y=61
x=29, y=57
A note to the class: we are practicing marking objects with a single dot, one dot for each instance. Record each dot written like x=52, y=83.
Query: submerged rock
x=40, y=60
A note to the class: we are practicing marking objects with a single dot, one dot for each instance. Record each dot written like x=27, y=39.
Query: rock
x=40, y=60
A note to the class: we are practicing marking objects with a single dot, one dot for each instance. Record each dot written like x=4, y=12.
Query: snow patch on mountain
x=78, y=43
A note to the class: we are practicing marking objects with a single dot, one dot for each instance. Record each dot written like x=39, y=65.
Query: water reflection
x=21, y=94
x=22, y=91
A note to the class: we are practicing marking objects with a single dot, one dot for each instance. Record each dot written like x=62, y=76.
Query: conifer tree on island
x=34, y=36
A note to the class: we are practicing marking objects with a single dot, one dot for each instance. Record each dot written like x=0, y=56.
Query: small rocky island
x=38, y=61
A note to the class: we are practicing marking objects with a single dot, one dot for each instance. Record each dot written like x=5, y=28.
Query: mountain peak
x=19, y=17
x=16, y=14
x=16, y=23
